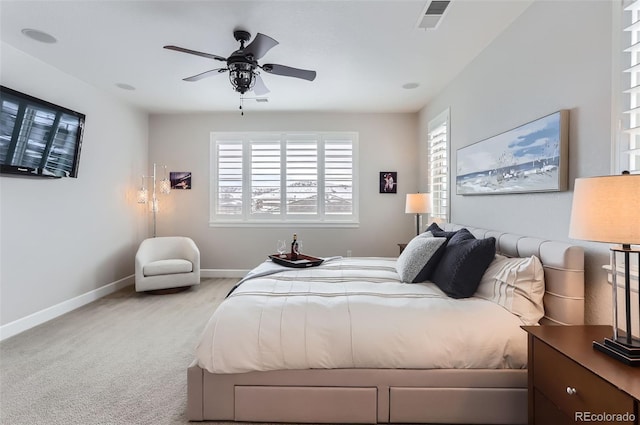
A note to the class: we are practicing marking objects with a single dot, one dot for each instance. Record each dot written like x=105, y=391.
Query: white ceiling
x=364, y=51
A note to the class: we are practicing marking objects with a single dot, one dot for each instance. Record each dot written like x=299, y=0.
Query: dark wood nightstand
x=571, y=383
x=402, y=246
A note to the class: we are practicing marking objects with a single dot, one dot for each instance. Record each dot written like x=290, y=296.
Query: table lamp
x=607, y=209
x=417, y=203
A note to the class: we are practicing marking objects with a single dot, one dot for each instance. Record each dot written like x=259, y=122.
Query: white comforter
x=354, y=313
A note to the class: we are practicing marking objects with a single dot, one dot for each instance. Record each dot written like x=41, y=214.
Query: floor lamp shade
x=417, y=203
x=607, y=209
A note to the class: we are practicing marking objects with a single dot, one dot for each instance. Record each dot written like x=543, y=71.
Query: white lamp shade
x=606, y=209
x=417, y=203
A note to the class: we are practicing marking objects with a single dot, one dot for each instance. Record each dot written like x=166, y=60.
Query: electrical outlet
x=348, y=253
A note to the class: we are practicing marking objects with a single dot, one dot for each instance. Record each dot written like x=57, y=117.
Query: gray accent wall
x=64, y=238
x=387, y=142
x=556, y=55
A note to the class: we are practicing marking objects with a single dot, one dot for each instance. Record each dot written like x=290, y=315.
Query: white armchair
x=167, y=262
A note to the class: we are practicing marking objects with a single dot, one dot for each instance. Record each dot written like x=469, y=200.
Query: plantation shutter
x=265, y=177
x=438, y=165
x=629, y=144
x=338, y=177
x=229, y=177
x=302, y=176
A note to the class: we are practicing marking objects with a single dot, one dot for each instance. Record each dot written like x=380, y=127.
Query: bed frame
x=467, y=396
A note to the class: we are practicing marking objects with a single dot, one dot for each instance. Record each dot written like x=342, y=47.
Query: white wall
x=556, y=55
x=62, y=238
x=387, y=142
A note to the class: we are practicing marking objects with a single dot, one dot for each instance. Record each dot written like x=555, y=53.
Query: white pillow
x=419, y=258
x=516, y=284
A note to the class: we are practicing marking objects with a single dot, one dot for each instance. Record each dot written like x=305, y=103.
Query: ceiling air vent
x=433, y=14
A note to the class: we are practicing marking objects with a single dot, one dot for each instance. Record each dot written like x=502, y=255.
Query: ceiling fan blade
x=288, y=71
x=205, y=74
x=194, y=52
x=260, y=45
x=259, y=87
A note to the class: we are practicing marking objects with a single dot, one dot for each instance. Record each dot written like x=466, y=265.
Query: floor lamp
x=607, y=209
x=417, y=203
x=143, y=193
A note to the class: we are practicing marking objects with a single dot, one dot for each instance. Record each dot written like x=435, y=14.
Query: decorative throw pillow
x=430, y=266
x=437, y=231
x=517, y=284
x=434, y=227
x=418, y=258
x=463, y=263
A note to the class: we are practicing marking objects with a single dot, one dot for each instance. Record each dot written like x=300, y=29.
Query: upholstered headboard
x=563, y=271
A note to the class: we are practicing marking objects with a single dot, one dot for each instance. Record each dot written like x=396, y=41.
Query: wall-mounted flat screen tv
x=38, y=138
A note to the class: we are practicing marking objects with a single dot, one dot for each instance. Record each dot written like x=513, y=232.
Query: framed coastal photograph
x=530, y=158
x=388, y=182
x=180, y=179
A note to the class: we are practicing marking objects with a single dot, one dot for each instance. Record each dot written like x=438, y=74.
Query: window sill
x=287, y=224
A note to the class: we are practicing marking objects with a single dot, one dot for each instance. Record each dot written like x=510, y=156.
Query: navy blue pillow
x=463, y=263
x=439, y=233
x=434, y=226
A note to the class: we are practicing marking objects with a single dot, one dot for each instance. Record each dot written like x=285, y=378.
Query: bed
x=245, y=369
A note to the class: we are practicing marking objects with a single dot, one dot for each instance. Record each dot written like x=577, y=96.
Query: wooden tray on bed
x=301, y=262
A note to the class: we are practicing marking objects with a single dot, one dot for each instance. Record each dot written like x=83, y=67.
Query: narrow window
x=438, y=165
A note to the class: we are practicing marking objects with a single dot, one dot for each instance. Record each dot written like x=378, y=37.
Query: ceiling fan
x=243, y=64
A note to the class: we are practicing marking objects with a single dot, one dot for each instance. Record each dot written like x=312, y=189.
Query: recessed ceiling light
x=124, y=86
x=409, y=86
x=40, y=36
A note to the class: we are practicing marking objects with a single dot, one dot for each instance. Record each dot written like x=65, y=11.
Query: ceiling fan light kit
x=243, y=64
x=242, y=77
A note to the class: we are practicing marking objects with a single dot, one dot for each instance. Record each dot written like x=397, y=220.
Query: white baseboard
x=39, y=317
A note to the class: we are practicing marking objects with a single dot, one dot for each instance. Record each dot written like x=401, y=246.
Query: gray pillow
x=419, y=254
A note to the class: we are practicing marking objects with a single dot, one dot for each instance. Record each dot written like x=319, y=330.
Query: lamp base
x=629, y=355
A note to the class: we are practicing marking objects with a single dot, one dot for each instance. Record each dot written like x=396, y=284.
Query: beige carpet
x=119, y=360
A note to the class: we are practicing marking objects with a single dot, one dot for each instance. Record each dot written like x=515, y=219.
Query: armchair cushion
x=159, y=267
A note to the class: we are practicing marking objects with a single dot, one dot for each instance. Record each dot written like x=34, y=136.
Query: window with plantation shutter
x=627, y=146
x=271, y=178
x=438, y=165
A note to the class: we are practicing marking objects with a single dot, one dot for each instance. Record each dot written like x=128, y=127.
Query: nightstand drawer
x=553, y=374
x=547, y=413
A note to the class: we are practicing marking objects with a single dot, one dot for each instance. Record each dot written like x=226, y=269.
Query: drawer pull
x=571, y=391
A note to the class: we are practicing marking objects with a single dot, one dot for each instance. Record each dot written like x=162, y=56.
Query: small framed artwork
x=180, y=179
x=388, y=181
x=530, y=158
